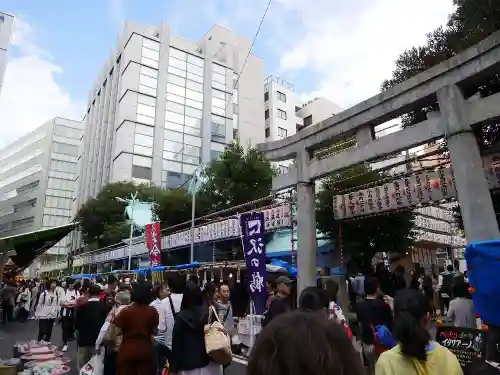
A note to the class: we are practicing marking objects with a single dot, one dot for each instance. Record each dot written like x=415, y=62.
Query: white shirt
x=162, y=320
x=168, y=321
x=68, y=296
x=48, y=305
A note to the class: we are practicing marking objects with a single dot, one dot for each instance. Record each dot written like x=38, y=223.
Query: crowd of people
x=385, y=303
x=137, y=328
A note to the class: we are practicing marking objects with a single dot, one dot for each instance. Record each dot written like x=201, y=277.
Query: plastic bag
x=95, y=366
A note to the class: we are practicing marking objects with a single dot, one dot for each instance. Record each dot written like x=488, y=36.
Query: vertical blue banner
x=252, y=236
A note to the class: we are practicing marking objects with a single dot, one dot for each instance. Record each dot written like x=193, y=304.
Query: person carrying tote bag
x=217, y=341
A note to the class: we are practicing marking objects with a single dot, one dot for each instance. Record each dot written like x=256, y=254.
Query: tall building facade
x=163, y=106
x=285, y=113
x=6, y=28
x=37, y=183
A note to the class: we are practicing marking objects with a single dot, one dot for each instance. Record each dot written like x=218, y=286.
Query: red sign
x=153, y=243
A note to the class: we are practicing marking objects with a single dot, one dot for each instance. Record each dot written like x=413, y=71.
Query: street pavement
x=13, y=333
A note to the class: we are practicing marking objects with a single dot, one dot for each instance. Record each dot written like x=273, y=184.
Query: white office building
x=37, y=185
x=285, y=113
x=163, y=105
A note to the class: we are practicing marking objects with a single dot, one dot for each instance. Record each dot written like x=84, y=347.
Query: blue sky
x=337, y=49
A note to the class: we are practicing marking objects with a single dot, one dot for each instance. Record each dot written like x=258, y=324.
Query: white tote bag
x=217, y=341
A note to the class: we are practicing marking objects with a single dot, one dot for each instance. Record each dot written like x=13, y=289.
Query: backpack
x=383, y=339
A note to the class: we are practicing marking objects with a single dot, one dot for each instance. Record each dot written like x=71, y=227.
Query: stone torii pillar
x=473, y=192
x=306, y=224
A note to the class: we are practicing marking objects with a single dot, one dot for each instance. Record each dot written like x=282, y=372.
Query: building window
x=28, y=187
x=308, y=120
x=218, y=132
x=215, y=155
x=281, y=96
x=177, y=180
x=141, y=172
x=63, y=148
x=268, y=132
x=282, y=132
x=281, y=114
x=25, y=205
x=23, y=222
x=282, y=169
x=266, y=96
x=266, y=114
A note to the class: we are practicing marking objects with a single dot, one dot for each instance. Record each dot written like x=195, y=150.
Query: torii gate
x=453, y=122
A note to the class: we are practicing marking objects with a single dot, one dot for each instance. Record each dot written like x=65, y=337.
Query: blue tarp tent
x=483, y=268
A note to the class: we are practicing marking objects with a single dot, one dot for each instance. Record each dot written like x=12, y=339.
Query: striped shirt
x=162, y=318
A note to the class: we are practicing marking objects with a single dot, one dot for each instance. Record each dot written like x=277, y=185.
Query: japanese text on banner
x=153, y=243
x=252, y=236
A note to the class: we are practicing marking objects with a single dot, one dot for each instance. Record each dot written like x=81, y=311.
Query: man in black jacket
x=89, y=319
x=280, y=303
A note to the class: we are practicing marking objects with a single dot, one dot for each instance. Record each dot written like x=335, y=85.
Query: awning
x=28, y=246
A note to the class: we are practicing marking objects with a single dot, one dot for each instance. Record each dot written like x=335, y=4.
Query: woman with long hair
x=189, y=356
x=416, y=353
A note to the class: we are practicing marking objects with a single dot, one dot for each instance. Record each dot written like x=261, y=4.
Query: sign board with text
x=274, y=218
x=467, y=344
x=423, y=187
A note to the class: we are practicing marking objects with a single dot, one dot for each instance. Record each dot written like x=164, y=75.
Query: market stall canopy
x=27, y=247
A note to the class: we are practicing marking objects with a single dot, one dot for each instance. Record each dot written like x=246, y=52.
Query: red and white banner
x=153, y=243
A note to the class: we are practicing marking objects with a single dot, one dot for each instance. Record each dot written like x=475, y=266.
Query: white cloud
x=352, y=46
x=31, y=95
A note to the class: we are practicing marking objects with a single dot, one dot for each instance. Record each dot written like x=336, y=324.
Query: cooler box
x=483, y=272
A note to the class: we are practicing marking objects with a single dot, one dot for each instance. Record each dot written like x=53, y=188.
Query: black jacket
x=89, y=319
x=188, y=340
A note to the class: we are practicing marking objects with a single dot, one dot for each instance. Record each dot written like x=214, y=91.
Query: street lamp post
x=193, y=211
x=193, y=187
x=131, y=203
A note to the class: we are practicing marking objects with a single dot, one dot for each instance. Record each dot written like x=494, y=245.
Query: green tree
x=362, y=238
x=102, y=219
x=471, y=22
x=173, y=207
x=238, y=177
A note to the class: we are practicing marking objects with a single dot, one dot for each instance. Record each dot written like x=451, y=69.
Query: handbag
x=114, y=334
x=217, y=341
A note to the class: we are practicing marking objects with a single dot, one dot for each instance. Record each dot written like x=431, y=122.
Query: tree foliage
x=102, y=219
x=471, y=22
x=238, y=177
x=364, y=237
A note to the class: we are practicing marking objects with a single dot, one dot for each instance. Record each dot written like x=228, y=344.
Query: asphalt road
x=13, y=333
